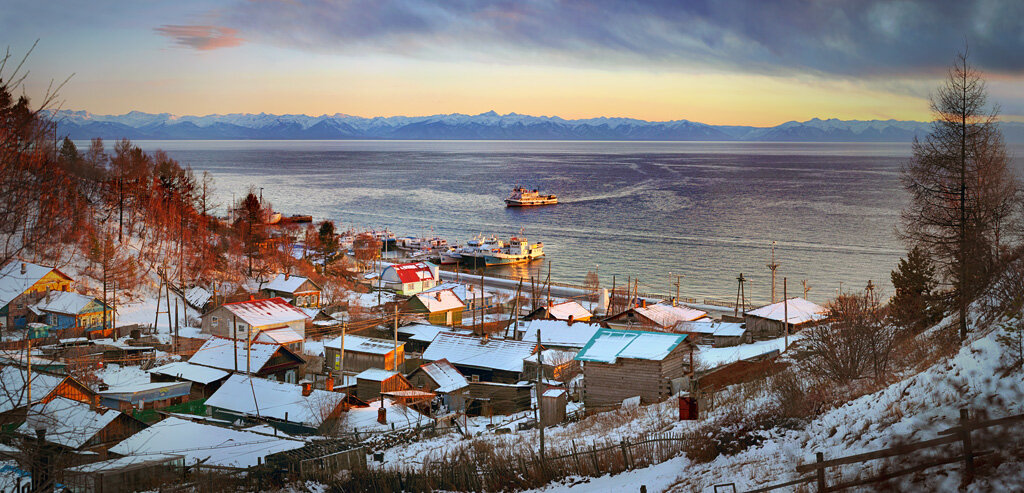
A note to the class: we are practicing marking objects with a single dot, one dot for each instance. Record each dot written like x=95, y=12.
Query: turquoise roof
x=608, y=345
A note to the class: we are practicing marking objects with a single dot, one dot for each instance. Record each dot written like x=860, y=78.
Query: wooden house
x=473, y=296
x=205, y=380
x=441, y=307
x=363, y=353
x=72, y=313
x=131, y=473
x=14, y=395
x=22, y=284
x=769, y=321
x=370, y=383
x=619, y=364
x=78, y=426
x=289, y=407
x=297, y=290
x=715, y=334
x=145, y=395
x=245, y=319
x=495, y=398
x=271, y=361
x=557, y=334
x=657, y=317
x=569, y=311
x=485, y=359
x=409, y=279
x=418, y=336
x=441, y=377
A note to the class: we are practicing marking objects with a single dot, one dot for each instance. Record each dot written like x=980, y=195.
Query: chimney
x=24, y=269
x=329, y=384
x=285, y=275
x=307, y=388
x=571, y=319
x=382, y=413
x=252, y=297
x=438, y=296
x=643, y=303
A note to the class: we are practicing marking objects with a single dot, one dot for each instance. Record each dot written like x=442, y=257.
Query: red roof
x=413, y=272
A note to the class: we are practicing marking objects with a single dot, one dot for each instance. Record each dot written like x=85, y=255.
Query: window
x=289, y=376
x=214, y=321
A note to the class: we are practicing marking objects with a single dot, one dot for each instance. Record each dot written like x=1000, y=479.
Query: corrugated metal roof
x=224, y=353
x=279, y=336
x=558, y=332
x=360, y=344
x=562, y=311
x=446, y=376
x=190, y=372
x=64, y=302
x=668, y=315
x=67, y=422
x=608, y=345
x=411, y=272
x=439, y=301
x=275, y=400
x=260, y=313
x=285, y=285
x=375, y=374
x=14, y=283
x=498, y=354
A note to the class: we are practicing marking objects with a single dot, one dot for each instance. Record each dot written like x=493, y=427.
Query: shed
x=442, y=307
x=362, y=353
x=491, y=398
x=552, y=406
x=205, y=380
x=769, y=320
x=566, y=311
x=300, y=291
x=145, y=395
x=370, y=383
x=657, y=317
x=619, y=364
x=483, y=359
x=715, y=334
x=198, y=297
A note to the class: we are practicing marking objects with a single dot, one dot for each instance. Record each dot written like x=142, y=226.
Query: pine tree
x=915, y=304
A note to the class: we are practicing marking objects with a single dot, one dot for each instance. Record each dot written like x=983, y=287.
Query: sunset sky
x=717, y=62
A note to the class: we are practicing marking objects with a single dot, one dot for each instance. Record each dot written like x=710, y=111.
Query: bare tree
x=856, y=343
x=962, y=193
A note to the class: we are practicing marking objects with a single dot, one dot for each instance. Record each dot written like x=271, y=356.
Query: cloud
x=862, y=38
x=201, y=37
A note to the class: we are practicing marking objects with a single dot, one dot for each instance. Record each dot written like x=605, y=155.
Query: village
x=263, y=375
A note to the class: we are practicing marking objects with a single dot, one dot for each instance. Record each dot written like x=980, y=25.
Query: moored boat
x=517, y=251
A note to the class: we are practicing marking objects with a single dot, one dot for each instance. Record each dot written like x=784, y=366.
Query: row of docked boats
x=479, y=251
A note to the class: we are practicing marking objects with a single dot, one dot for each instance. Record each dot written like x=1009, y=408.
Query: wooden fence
x=958, y=434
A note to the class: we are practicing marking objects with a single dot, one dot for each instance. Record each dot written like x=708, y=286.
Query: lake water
x=647, y=210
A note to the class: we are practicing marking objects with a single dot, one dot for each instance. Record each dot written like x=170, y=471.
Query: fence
x=961, y=434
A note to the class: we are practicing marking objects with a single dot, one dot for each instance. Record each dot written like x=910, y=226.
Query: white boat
x=522, y=197
x=517, y=251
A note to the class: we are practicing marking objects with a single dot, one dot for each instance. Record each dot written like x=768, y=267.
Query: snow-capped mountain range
x=456, y=126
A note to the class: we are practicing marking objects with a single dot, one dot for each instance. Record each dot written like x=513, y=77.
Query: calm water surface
x=649, y=210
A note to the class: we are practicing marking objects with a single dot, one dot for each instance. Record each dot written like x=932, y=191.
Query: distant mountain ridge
x=137, y=125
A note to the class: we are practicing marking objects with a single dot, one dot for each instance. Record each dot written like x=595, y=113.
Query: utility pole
x=807, y=288
x=785, y=313
x=549, y=284
x=675, y=300
x=234, y=340
x=515, y=313
x=611, y=299
x=395, y=359
x=870, y=291
x=341, y=369
x=773, y=266
x=540, y=413
x=741, y=296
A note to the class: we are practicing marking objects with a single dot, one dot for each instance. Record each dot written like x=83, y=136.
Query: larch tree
x=962, y=193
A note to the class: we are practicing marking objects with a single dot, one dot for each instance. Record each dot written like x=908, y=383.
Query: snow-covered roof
x=438, y=301
x=555, y=392
x=67, y=422
x=800, y=311
x=411, y=272
x=463, y=291
x=147, y=391
x=188, y=371
x=197, y=296
x=285, y=284
x=562, y=311
x=608, y=345
x=446, y=376
x=13, y=387
x=375, y=374
x=64, y=302
x=498, y=354
x=554, y=357
x=120, y=463
x=260, y=313
x=274, y=400
x=726, y=329
x=362, y=344
x=310, y=312
x=668, y=315
x=283, y=335
x=427, y=332
x=13, y=282
x=196, y=441
x=223, y=353
x=365, y=418
x=558, y=332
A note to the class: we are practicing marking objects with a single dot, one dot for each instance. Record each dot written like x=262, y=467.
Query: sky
x=722, y=62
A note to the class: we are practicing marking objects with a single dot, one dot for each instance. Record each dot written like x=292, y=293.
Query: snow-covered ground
x=712, y=357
